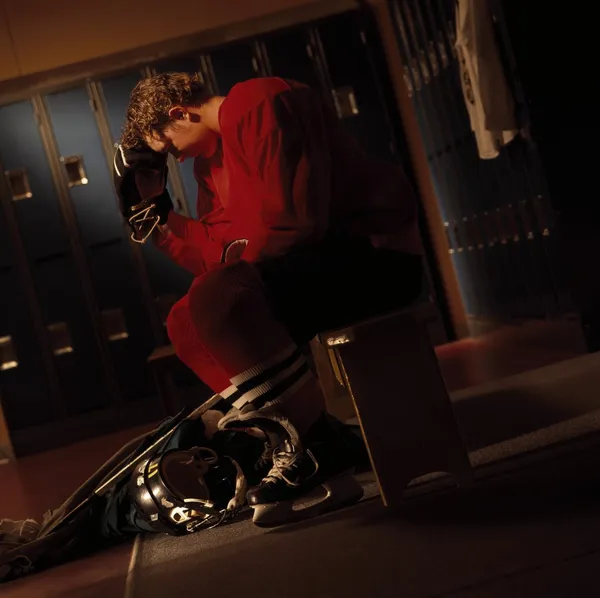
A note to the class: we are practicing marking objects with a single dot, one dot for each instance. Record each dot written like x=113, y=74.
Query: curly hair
x=151, y=100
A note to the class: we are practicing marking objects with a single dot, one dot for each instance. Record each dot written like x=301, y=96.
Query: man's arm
x=285, y=143
x=140, y=179
x=183, y=254
x=189, y=243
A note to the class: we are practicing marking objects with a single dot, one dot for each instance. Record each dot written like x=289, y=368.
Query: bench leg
x=337, y=398
x=403, y=408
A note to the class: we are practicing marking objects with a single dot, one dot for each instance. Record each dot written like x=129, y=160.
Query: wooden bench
x=385, y=372
x=391, y=374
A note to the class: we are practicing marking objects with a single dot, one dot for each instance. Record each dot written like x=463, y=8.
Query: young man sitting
x=298, y=232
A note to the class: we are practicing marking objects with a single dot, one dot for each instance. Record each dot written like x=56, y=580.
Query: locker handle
x=75, y=170
x=8, y=355
x=18, y=183
x=60, y=338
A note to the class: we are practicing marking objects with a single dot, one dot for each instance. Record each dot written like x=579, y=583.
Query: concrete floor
x=532, y=530
x=529, y=527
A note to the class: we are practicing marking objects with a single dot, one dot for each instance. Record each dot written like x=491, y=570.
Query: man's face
x=187, y=137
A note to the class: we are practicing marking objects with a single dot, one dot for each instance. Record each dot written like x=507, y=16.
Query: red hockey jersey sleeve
x=187, y=242
x=183, y=254
x=284, y=144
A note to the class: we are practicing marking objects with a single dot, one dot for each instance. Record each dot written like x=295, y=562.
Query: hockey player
x=298, y=232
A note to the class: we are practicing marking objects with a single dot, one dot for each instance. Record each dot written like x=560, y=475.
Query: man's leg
x=246, y=317
x=337, y=283
x=259, y=359
x=190, y=350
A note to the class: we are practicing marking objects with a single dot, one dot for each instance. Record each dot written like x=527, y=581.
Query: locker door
x=122, y=316
x=166, y=278
x=289, y=55
x=117, y=90
x=24, y=392
x=40, y=222
x=445, y=188
x=354, y=83
x=36, y=206
x=6, y=258
x=232, y=64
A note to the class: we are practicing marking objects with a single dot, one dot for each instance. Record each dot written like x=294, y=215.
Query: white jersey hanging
x=489, y=100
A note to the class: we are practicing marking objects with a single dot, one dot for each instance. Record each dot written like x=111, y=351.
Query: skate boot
x=322, y=462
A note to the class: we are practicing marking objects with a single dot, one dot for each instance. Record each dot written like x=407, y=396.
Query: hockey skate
x=308, y=477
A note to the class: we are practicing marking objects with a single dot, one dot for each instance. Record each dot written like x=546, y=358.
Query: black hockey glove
x=140, y=180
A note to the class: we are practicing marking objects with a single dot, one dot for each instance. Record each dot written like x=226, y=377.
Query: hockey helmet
x=182, y=491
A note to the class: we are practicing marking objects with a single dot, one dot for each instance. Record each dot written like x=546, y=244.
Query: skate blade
x=340, y=492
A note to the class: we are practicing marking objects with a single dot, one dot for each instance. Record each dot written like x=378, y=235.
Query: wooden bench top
x=421, y=312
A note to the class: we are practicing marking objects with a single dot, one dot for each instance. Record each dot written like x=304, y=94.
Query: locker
x=186, y=64
x=433, y=27
x=24, y=391
x=111, y=270
x=290, y=55
x=124, y=323
x=84, y=163
x=35, y=203
x=116, y=91
x=487, y=198
x=165, y=277
x=6, y=258
x=58, y=291
x=232, y=64
x=190, y=186
x=70, y=335
x=446, y=190
x=354, y=83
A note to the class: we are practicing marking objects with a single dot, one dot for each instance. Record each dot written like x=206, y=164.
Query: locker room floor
x=488, y=415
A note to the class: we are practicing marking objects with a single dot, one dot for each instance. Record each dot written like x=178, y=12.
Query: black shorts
x=337, y=282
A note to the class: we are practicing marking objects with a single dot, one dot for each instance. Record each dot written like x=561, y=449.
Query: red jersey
x=287, y=173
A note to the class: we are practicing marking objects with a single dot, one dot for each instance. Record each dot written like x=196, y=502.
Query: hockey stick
x=131, y=465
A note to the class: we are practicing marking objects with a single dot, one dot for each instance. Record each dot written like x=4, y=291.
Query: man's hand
x=140, y=180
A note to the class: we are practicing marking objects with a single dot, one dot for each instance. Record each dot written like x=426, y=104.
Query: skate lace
x=266, y=457
x=288, y=462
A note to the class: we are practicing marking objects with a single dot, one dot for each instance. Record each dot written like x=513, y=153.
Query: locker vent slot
x=60, y=338
x=8, y=355
x=75, y=170
x=18, y=182
x=114, y=324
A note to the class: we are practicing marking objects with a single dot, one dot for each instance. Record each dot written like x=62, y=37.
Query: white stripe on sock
x=258, y=391
x=228, y=391
x=261, y=367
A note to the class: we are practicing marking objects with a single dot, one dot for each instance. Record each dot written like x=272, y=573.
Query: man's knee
x=178, y=322
x=221, y=295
